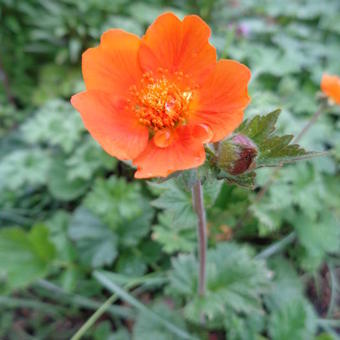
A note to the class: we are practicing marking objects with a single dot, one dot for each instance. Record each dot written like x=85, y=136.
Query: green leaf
x=300, y=186
x=96, y=243
x=268, y=149
x=24, y=256
x=325, y=336
x=318, y=238
x=58, y=227
x=122, y=207
x=268, y=216
x=211, y=190
x=244, y=328
x=121, y=334
x=65, y=250
x=294, y=320
x=87, y=159
x=61, y=186
x=259, y=127
x=173, y=236
x=291, y=317
x=24, y=167
x=147, y=328
x=273, y=150
x=176, y=228
x=55, y=81
x=235, y=283
x=176, y=201
x=246, y=180
x=130, y=264
x=269, y=60
x=102, y=331
x=55, y=124
x=286, y=284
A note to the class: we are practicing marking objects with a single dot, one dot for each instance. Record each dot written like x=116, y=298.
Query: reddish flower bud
x=237, y=155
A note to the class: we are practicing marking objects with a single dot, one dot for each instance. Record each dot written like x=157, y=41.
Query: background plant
x=75, y=229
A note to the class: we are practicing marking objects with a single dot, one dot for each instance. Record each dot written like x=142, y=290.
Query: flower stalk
x=197, y=197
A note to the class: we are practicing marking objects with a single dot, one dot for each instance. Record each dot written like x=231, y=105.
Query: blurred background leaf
x=67, y=208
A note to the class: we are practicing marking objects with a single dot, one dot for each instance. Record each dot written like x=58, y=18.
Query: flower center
x=162, y=102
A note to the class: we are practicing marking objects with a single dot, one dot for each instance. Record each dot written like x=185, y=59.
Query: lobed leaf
x=273, y=150
x=122, y=207
x=55, y=124
x=235, y=283
x=96, y=243
x=24, y=256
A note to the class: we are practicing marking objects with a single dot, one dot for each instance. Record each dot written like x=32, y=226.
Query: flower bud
x=237, y=155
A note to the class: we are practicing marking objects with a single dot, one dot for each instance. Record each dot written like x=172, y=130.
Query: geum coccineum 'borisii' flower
x=330, y=86
x=158, y=99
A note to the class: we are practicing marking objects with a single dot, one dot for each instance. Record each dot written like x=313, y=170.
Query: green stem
x=197, y=196
x=334, y=287
x=106, y=306
x=94, y=317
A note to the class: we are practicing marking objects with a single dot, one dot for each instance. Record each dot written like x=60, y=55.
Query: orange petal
x=112, y=66
x=203, y=132
x=185, y=152
x=163, y=138
x=222, y=99
x=114, y=128
x=330, y=86
x=178, y=46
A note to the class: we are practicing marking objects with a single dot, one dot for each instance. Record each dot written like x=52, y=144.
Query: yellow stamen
x=159, y=102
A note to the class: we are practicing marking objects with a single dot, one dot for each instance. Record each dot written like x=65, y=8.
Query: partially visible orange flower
x=158, y=99
x=330, y=86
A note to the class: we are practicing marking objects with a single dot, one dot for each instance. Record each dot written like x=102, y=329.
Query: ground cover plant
x=88, y=251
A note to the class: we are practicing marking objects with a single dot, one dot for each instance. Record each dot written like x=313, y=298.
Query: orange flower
x=330, y=86
x=158, y=99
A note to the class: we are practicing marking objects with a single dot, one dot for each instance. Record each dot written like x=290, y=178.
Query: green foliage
x=235, y=283
x=148, y=328
x=174, y=237
x=293, y=321
x=177, y=201
x=55, y=124
x=122, y=207
x=75, y=209
x=55, y=81
x=87, y=159
x=61, y=186
x=255, y=145
x=58, y=226
x=244, y=328
x=96, y=244
x=24, y=256
x=303, y=188
x=292, y=315
x=25, y=167
x=317, y=237
x=246, y=180
x=109, y=281
x=176, y=228
x=273, y=150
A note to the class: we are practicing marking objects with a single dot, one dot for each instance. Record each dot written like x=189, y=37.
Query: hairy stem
x=311, y=121
x=197, y=197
